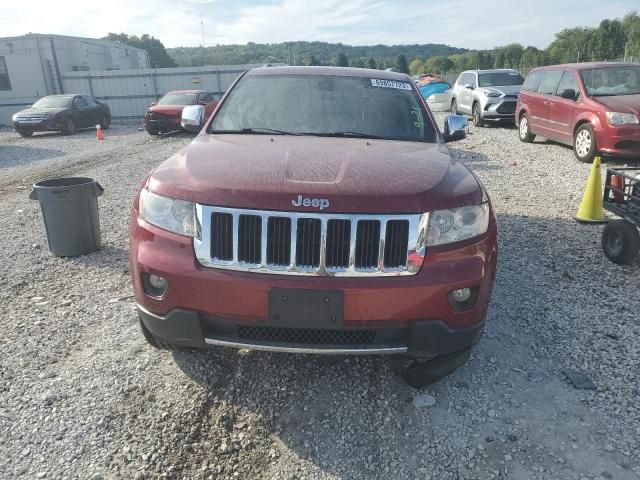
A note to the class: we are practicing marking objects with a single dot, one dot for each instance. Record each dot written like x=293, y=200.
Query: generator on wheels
x=620, y=238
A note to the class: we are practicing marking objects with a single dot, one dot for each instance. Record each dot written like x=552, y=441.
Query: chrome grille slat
x=313, y=243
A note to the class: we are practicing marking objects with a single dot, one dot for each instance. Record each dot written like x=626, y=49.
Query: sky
x=472, y=24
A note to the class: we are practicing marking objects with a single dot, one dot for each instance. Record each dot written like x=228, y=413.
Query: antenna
x=202, y=25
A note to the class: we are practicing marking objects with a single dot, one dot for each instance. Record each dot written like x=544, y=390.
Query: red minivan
x=594, y=107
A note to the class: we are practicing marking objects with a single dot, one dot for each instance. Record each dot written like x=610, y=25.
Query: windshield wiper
x=256, y=131
x=350, y=134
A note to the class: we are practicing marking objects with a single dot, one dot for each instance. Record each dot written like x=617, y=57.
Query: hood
x=40, y=111
x=168, y=109
x=354, y=175
x=621, y=103
x=506, y=90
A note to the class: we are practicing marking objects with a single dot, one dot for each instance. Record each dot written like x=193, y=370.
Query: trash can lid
x=64, y=182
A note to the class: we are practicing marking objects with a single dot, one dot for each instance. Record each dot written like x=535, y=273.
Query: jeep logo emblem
x=320, y=203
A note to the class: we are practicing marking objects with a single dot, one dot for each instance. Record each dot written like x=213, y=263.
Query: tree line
x=610, y=40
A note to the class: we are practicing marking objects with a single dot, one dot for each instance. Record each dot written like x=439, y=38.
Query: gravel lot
x=83, y=396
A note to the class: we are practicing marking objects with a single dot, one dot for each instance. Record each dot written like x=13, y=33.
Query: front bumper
x=47, y=125
x=619, y=141
x=208, y=306
x=162, y=124
x=422, y=339
x=502, y=109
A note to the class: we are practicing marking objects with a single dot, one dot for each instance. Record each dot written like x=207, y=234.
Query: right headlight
x=173, y=215
x=448, y=226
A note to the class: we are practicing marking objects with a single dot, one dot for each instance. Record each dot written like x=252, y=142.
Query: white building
x=32, y=65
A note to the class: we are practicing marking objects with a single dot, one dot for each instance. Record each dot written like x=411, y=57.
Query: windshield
x=326, y=106
x=499, y=79
x=53, y=102
x=178, y=99
x=610, y=81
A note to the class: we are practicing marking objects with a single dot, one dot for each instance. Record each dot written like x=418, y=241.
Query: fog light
x=154, y=285
x=463, y=299
x=460, y=295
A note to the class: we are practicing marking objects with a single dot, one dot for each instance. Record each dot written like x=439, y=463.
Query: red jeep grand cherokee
x=317, y=211
x=164, y=115
x=592, y=106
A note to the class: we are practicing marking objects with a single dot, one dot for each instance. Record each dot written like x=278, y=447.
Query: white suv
x=486, y=95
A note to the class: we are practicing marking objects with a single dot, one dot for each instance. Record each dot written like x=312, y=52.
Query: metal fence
x=129, y=92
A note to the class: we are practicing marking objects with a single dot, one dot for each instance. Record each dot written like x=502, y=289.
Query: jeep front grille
x=300, y=243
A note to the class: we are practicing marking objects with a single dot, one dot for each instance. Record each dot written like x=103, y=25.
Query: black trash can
x=70, y=211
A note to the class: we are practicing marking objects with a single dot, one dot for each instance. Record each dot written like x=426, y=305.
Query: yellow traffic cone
x=591, y=210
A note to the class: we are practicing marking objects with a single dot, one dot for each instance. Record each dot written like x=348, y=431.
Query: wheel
x=155, y=342
x=69, y=127
x=454, y=107
x=421, y=373
x=584, y=143
x=152, y=131
x=105, y=121
x=524, y=131
x=621, y=242
x=25, y=134
x=477, y=117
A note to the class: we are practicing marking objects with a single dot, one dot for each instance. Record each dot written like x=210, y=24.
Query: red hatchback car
x=164, y=115
x=594, y=107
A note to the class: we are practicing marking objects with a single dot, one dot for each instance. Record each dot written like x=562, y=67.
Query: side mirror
x=468, y=86
x=192, y=118
x=455, y=127
x=569, y=94
x=153, y=104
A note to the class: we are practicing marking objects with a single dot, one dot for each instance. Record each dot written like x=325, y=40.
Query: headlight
x=448, y=226
x=618, y=118
x=170, y=214
x=489, y=93
x=14, y=117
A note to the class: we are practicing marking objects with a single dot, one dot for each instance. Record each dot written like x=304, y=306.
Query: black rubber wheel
x=454, y=107
x=105, y=121
x=477, y=117
x=584, y=143
x=524, y=130
x=152, y=131
x=421, y=373
x=155, y=342
x=621, y=242
x=25, y=134
x=69, y=127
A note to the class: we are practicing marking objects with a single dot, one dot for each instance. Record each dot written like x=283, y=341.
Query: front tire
x=524, y=130
x=584, y=143
x=621, y=242
x=477, y=116
x=105, y=121
x=69, y=127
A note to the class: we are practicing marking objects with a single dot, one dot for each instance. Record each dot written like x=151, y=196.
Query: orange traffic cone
x=591, y=210
x=99, y=134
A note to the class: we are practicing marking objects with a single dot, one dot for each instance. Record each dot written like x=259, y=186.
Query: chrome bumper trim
x=317, y=350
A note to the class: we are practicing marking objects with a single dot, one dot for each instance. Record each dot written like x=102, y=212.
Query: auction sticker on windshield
x=390, y=84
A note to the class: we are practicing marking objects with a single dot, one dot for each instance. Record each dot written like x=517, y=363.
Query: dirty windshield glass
x=178, y=99
x=611, y=81
x=53, y=102
x=500, y=79
x=325, y=105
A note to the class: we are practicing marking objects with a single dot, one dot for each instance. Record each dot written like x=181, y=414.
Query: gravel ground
x=83, y=396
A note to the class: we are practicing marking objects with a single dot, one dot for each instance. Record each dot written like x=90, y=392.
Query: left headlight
x=619, y=118
x=173, y=215
x=448, y=226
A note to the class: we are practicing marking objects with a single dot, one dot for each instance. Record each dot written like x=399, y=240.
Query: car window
x=204, y=97
x=53, y=102
x=549, y=82
x=500, y=79
x=89, y=101
x=568, y=86
x=326, y=105
x=612, y=81
x=532, y=81
x=177, y=99
x=79, y=102
x=463, y=79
